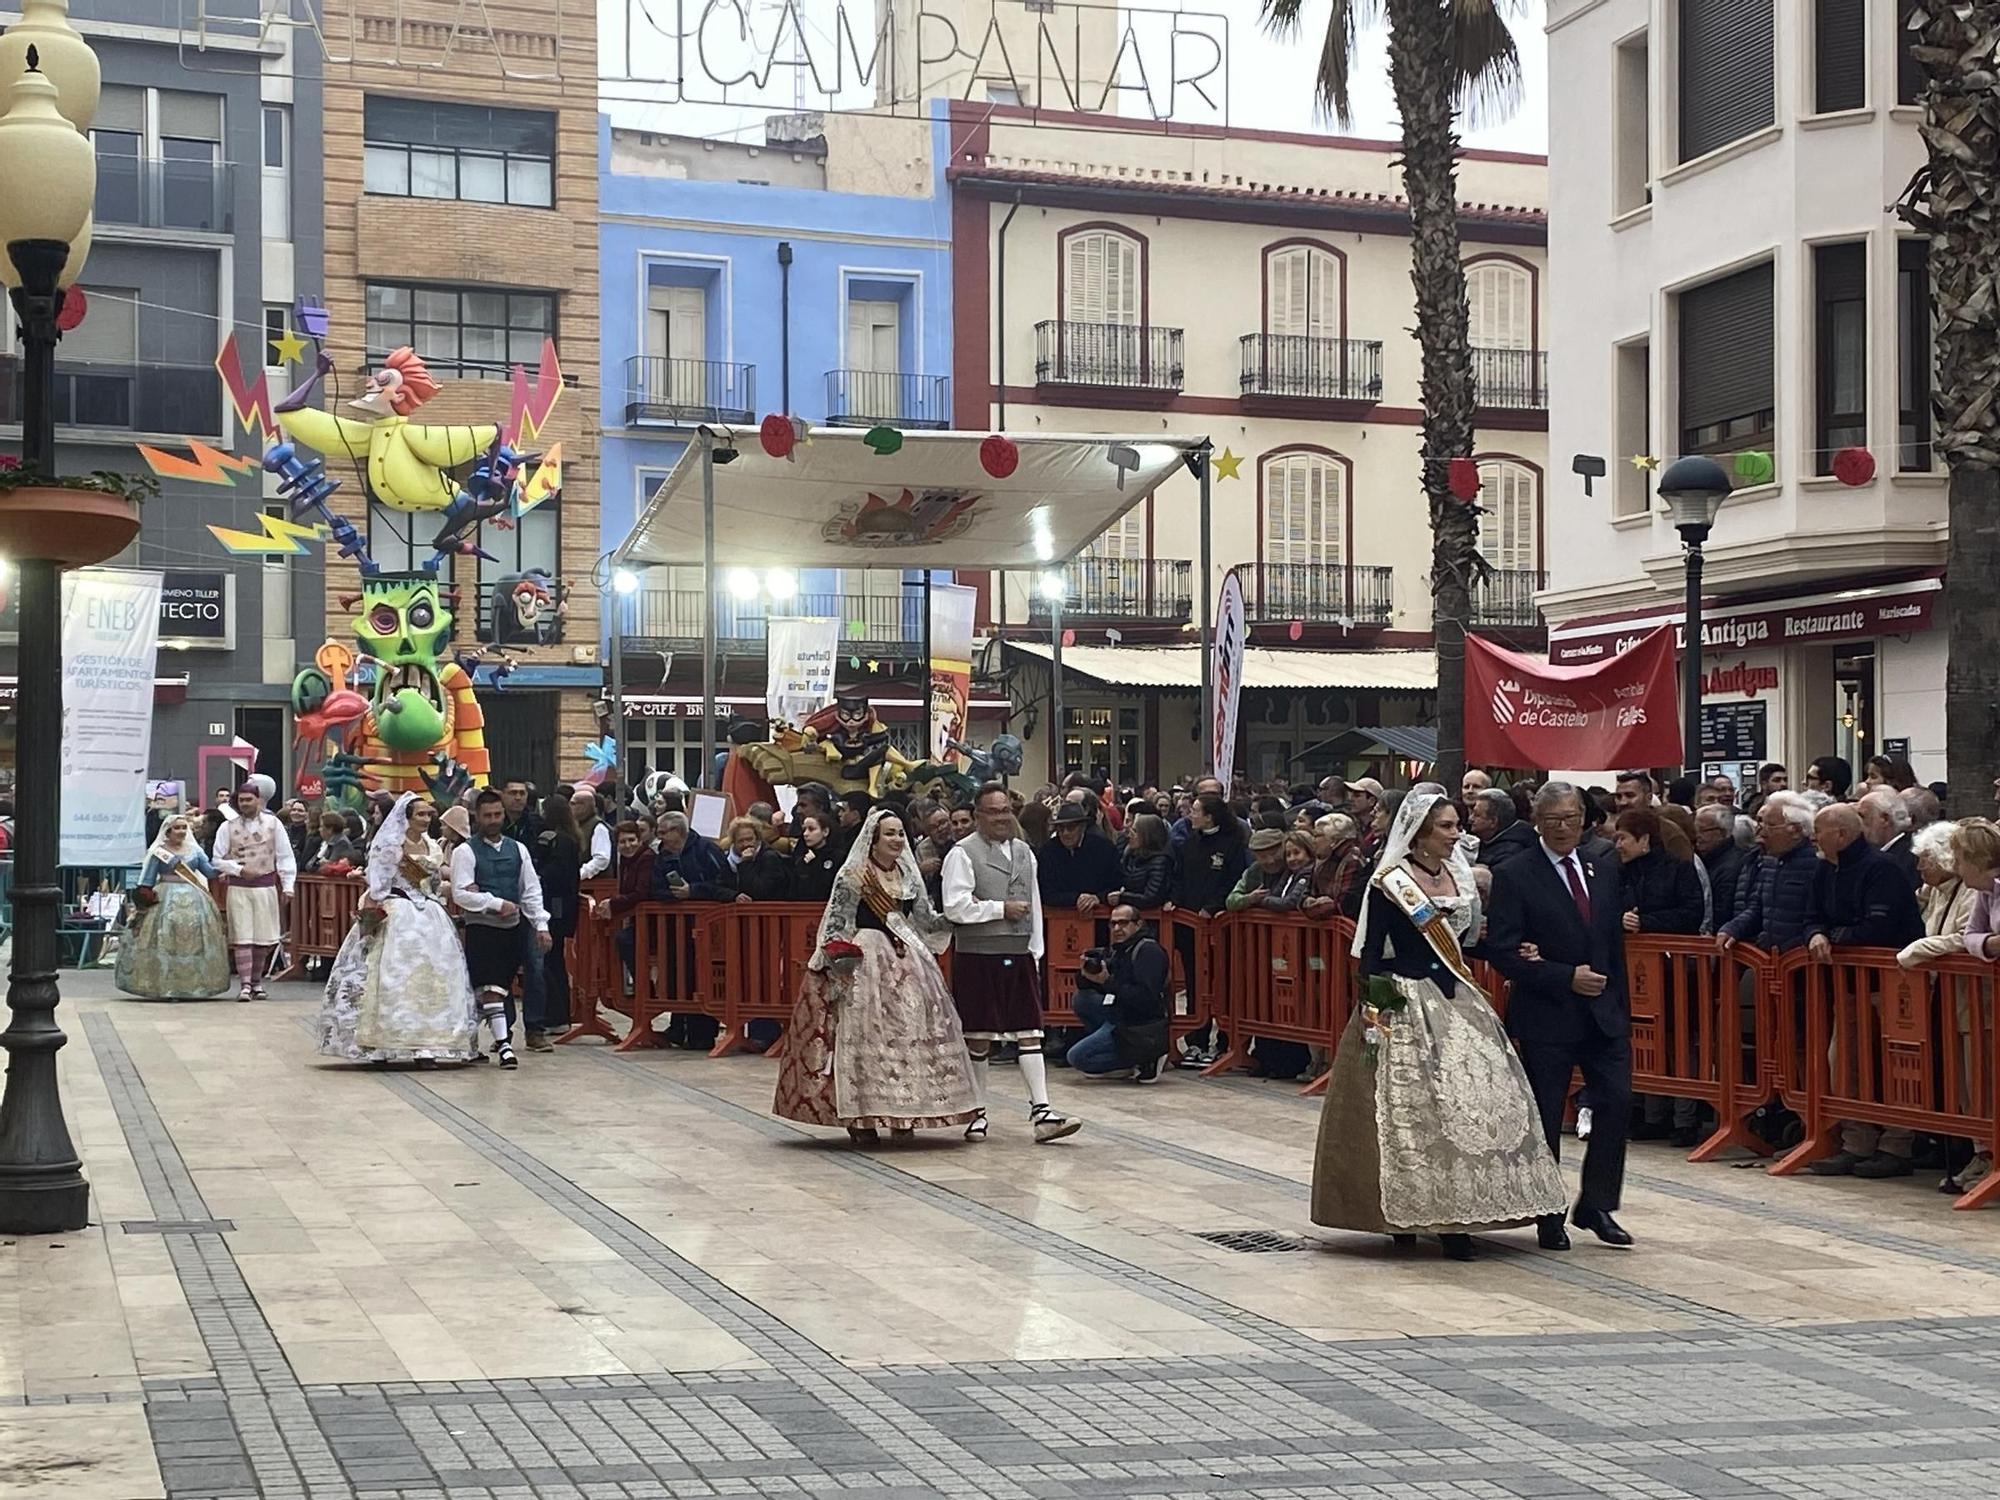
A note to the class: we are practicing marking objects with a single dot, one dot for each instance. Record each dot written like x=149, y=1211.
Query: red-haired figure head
x=402, y=385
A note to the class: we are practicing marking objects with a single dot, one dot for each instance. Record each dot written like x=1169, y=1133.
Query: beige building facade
x=1253, y=288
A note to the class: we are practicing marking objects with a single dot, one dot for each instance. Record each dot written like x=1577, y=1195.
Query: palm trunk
x=1420, y=53
x=1955, y=200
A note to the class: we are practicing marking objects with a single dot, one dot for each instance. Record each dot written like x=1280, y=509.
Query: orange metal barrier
x=760, y=950
x=1066, y=937
x=596, y=977
x=1892, y=1046
x=673, y=967
x=1287, y=978
x=1687, y=1030
x=1193, y=956
x=323, y=909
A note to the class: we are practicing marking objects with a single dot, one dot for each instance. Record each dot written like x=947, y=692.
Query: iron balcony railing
x=161, y=193
x=1318, y=593
x=877, y=622
x=1312, y=369
x=1120, y=356
x=1122, y=588
x=182, y=400
x=1510, y=379
x=658, y=389
x=1506, y=596
x=864, y=398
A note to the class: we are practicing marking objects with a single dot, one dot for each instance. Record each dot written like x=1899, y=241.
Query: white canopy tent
x=836, y=502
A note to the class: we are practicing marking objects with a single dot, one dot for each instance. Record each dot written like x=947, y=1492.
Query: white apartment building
x=1736, y=283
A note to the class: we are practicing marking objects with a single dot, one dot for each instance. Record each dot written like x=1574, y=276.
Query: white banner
x=802, y=652
x=110, y=637
x=951, y=667
x=1226, y=672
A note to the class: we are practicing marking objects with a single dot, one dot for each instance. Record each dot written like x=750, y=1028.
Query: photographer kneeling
x=1121, y=999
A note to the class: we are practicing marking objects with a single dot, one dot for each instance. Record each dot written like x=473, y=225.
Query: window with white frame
x=676, y=367
x=1302, y=292
x=1305, y=509
x=1101, y=278
x=1500, y=303
x=159, y=153
x=1507, y=529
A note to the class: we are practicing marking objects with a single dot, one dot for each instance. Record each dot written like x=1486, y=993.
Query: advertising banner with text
x=1522, y=714
x=110, y=637
x=802, y=650
x=950, y=666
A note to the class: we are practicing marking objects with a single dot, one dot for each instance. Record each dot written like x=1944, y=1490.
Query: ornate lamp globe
x=50, y=170
x=65, y=58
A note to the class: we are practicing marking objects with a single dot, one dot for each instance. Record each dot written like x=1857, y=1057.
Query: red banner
x=1622, y=711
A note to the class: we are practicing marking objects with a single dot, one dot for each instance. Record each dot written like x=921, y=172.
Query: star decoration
x=874, y=665
x=1227, y=464
x=1644, y=462
x=289, y=347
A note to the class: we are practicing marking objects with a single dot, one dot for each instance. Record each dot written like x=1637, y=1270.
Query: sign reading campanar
x=1523, y=713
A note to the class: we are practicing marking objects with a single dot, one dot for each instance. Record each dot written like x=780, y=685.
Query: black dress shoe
x=1603, y=1226
x=1456, y=1246
x=1550, y=1234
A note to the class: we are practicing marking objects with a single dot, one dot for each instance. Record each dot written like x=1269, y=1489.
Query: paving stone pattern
x=1721, y=1411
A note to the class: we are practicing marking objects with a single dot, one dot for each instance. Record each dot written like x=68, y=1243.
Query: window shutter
x=1304, y=509
x=1284, y=304
x=1121, y=291
x=1499, y=299
x=1727, y=67
x=1323, y=294
x=1727, y=349
x=1083, y=297
x=1840, y=55
x=1507, y=530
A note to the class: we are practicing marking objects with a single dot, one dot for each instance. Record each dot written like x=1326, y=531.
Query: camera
x=1097, y=958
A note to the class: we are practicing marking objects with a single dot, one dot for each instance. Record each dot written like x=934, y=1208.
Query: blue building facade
x=735, y=284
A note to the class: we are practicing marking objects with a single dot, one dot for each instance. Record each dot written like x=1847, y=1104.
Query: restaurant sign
x=1900, y=609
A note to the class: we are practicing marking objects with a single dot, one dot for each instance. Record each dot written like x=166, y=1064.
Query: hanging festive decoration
x=999, y=456
x=603, y=757
x=1069, y=639
x=1754, y=466
x=857, y=630
x=1124, y=459
x=854, y=662
x=874, y=665
x=1227, y=465
x=1462, y=478
x=778, y=435
x=288, y=348
x=884, y=440
x=1114, y=636
x=1297, y=632
x=75, y=307
x=1644, y=462
x=1853, y=466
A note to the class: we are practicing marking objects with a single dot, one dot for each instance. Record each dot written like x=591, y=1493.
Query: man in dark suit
x=1568, y=1009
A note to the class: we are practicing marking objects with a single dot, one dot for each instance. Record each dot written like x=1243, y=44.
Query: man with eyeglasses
x=1122, y=1003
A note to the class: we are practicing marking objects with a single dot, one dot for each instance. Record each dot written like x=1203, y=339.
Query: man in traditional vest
x=992, y=898
x=493, y=882
x=253, y=850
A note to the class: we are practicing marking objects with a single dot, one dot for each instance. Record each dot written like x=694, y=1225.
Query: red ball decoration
x=998, y=456
x=1069, y=639
x=778, y=435
x=1853, y=466
x=1463, y=478
x=74, y=305
x=1297, y=632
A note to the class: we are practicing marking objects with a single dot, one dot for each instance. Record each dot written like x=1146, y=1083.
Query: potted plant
x=72, y=519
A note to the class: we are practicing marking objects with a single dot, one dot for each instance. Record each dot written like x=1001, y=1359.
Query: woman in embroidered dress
x=875, y=1042
x=398, y=990
x=177, y=948
x=1429, y=1126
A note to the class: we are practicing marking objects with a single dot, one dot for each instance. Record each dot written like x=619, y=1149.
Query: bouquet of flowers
x=843, y=957
x=144, y=895
x=1380, y=998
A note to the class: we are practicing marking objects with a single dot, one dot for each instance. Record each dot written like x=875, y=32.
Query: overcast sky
x=1270, y=82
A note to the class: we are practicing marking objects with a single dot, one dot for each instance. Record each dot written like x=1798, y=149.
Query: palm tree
x=1445, y=57
x=1955, y=199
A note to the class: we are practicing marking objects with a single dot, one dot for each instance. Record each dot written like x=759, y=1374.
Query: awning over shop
x=1264, y=667
x=1895, y=608
x=836, y=502
x=1411, y=741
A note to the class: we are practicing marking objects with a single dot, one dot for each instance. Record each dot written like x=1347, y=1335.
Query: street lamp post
x=1693, y=490
x=1055, y=589
x=50, y=174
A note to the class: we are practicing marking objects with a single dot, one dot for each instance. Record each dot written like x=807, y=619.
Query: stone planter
x=73, y=527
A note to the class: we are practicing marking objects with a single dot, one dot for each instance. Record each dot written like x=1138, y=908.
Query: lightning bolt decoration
x=248, y=393
x=276, y=538
x=206, y=466
x=531, y=407
x=544, y=484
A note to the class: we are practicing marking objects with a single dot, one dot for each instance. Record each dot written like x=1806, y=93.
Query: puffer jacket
x=1777, y=908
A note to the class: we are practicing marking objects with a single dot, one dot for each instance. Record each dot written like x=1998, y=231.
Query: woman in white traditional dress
x=177, y=948
x=1429, y=1125
x=398, y=990
x=875, y=1042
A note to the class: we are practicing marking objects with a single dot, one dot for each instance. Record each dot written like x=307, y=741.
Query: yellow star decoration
x=874, y=665
x=289, y=347
x=1226, y=465
x=1644, y=461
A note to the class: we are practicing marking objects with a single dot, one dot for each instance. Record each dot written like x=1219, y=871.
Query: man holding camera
x=1122, y=1002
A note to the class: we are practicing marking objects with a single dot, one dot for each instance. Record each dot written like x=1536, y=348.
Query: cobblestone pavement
x=617, y=1276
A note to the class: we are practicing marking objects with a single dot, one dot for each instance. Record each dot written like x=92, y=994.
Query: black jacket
x=1508, y=844
x=1865, y=901
x=1091, y=868
x=557, y=860
x=1532, y=904
x=812, y=871
x=1210, y=863
x=1776, y=900
x=1664, y=891
x=765, y=877
x=1901, y=853
x=701, y=865
x=1725, y=864
x=1146, y=880
x=1395, y=946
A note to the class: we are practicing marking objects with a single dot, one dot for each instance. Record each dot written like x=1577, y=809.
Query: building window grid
x=1840, y=322
x=477, y=333
x=468, y=153
x=1916, y=353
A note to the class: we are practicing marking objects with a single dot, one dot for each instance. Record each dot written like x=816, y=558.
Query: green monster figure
x=422, y=727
